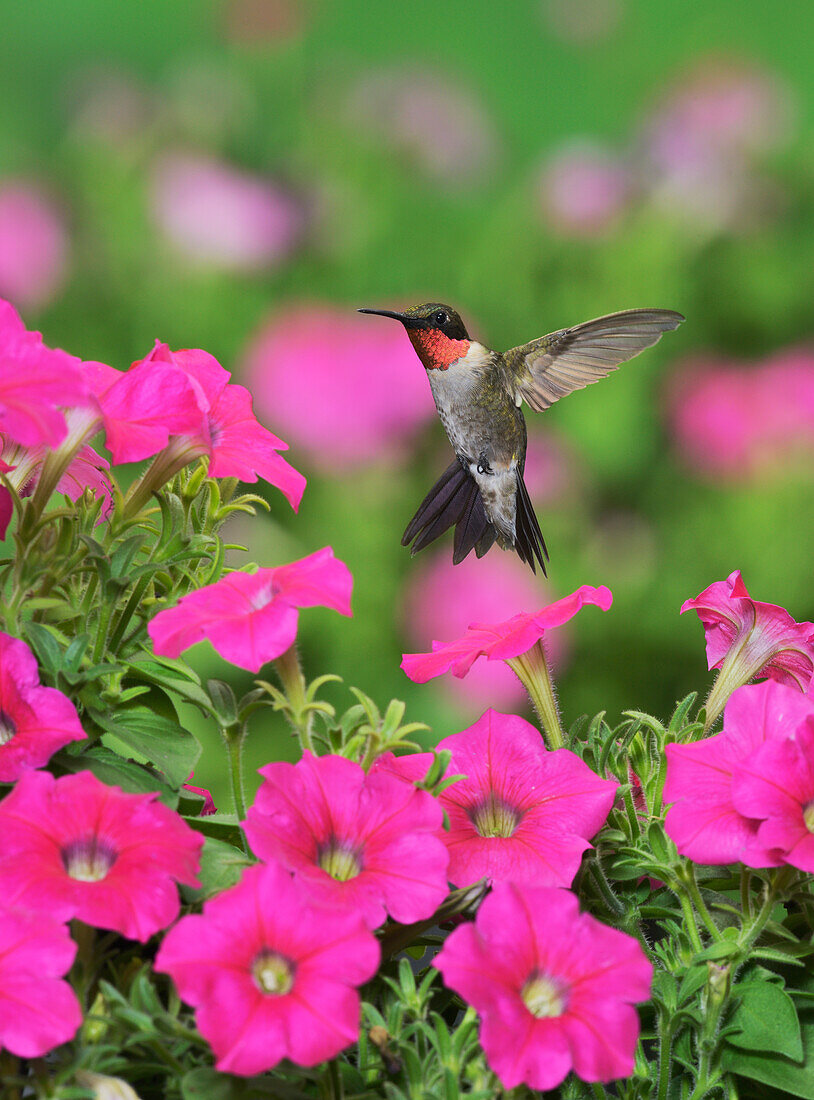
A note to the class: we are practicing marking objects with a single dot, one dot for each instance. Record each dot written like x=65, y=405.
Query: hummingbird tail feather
x=454, y=500
x=528, y=542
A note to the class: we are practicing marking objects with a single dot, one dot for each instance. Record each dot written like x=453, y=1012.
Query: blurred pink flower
x=75, y=847
x=38, y=1011
x=35, y=721
x=582, y=21
x=501, y=641
x=699, y=143
x=369, y=843
x=703, y=821
x=271, y=974
x=746, y=638
x=345, y=391
x=437, y=124
x=260, y=22
x=441, y=600
x=521, y=813
x=552, y=468
x=33, y=245
x=251, y=618
x=584, y=188
x=554, y=988
x=34, y=380
x=776, y=786
x=217, y=215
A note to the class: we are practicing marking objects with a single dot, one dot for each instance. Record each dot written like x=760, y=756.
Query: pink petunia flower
x=271, y=974
x=251, y=618
x=441, y=600
x=500, y=641
x=554, y=988
x=75, y=847
x=38, y=1011
x=33, y=245
x=237, y=445
x=704, y=821
x=522, y=813
x=209, y=806
x=217, y=216
x=365, y=842
x=746, y=638
x=34, y=381
x=776, y=786
x=35, y=721
x=344, y=391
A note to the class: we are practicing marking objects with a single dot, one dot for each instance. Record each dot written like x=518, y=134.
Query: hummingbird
x=479, y=392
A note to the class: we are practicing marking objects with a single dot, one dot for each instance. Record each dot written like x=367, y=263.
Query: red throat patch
x=435, y=350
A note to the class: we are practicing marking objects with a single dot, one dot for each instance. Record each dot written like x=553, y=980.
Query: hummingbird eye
x=441, y=317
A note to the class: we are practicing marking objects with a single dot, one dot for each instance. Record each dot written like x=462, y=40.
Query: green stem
x=746, y=894
x=532, y=670
x=290, y=672
x=690, y=881
x=615, y=906
x=689, y=918
x=234, y=738
x=665, y=1047
x=127, y=612
x=103, y=626
x=780, y=878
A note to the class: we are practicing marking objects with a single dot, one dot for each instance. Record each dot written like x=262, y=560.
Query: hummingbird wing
x=555, y=365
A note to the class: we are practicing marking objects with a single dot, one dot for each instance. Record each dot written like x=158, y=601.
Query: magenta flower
x=554, y=988
x=38, y=1011
x=522, y=813
x=216, y=215
x=776, y=786
x=34, y=380
x=251, y=618
x=745, y=638
x=271, y=974
x=75, y=847
x=704, y=821
x=365, y=842
x=209, y=806
x=35, y=721
x=440, y=601
x=33, y=245
x=501, y=641
x=584, y=189
x=344, y=391
x=237, y=445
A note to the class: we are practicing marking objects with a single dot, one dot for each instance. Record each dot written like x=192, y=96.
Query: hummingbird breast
x=485, y=428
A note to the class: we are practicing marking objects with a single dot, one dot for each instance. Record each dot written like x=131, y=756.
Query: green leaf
x=47, y=649
x=166, y=744
x=766, y=1019
x=221, y=867
x=204, y=1083
x=114, y=770
x=221, y=826
x=774, y=1069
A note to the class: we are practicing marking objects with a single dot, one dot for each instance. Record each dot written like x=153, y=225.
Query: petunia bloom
x=35, y=721
x=554, y=988
x=361, y=841
x=271, y=975
x=522, y=813
x=501, y=641
x=704, y=821
x=34, y=381
x=251, y=618
x=746, y=638
x=38, y=1011
x=74, y=847
x=584, y=189
x=775, y=785
x=33, y=244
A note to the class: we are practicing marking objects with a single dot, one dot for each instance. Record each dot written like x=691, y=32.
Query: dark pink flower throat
x=340, y=859
x=8, y=727
x=273, y=973
x=494, y=817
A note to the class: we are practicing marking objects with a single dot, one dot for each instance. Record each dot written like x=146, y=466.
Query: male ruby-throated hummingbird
x=478, y=393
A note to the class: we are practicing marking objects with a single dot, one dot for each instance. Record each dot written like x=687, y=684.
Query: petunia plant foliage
x=592, y=907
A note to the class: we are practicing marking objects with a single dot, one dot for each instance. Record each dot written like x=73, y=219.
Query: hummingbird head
x=436, y=332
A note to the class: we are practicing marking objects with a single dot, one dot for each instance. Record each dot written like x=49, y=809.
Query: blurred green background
x=204, y=172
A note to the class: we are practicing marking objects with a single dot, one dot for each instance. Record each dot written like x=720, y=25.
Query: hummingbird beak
x=407, y=321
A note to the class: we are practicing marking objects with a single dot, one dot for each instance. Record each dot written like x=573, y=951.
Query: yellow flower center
x=544, y=996
x=495, y=817
x=88, y=860
x=808, y=815
x=340, y=860
x=273, y=973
